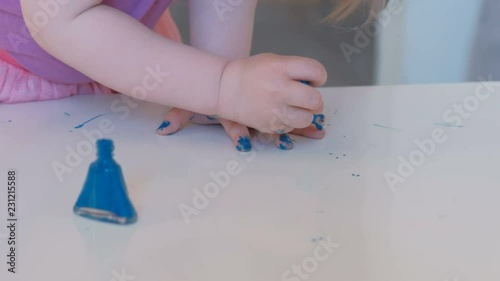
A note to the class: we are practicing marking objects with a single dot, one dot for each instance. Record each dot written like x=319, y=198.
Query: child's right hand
x=264, y=92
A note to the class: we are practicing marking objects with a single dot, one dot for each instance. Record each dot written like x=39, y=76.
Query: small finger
x=297, y=117
x=310, y=132
x=305, y=97
x=306, y=69
x=239, y=134
x=173, y=121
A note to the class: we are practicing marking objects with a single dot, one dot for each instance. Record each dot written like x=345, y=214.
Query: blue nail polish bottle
x=104, y=195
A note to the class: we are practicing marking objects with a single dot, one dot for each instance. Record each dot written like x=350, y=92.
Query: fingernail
x=244, y=144
x=163, y=125
x=318, y=121
x=286, y=142
x=318, y=126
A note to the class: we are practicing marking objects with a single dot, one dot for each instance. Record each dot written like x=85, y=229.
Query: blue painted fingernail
x=318, y=126
x=305, y=82
x=286, y=143
x=244, y=144
x=318, y=121
x=163, y=125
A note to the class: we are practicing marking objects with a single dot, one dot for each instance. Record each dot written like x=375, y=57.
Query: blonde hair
x=345, y=8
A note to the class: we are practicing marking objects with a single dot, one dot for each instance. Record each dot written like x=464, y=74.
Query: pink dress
x=28, y=73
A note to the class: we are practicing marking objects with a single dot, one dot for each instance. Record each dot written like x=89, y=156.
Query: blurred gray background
x=414, y=42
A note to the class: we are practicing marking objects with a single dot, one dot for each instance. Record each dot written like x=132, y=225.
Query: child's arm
x=116, y=50
x=225, y=30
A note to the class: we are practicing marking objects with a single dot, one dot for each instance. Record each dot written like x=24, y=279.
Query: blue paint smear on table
x=67, y=114
x=386, y=127
x=90, y=120
x=314, y=240
x=448, y=125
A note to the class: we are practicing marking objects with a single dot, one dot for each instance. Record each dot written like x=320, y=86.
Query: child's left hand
x=176, y=118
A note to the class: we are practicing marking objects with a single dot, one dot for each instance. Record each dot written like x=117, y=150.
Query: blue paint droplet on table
x=67, y=114
x=314, y=240
x=244, y=144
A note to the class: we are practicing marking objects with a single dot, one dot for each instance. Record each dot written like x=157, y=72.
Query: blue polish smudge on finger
x=286, y=143
x=163, y=125
x=244, y=144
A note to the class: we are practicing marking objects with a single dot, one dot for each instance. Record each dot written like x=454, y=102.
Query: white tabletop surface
x=441, y=223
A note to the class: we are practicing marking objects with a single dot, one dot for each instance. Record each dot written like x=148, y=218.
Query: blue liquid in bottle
x=104, y=195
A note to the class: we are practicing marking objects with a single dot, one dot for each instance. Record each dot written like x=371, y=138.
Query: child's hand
x=176, y=118
x=264, y=92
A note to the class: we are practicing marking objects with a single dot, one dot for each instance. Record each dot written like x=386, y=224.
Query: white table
x=442, y=223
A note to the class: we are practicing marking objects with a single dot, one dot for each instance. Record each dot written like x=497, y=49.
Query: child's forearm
x=222, y=28
x=117, y=51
